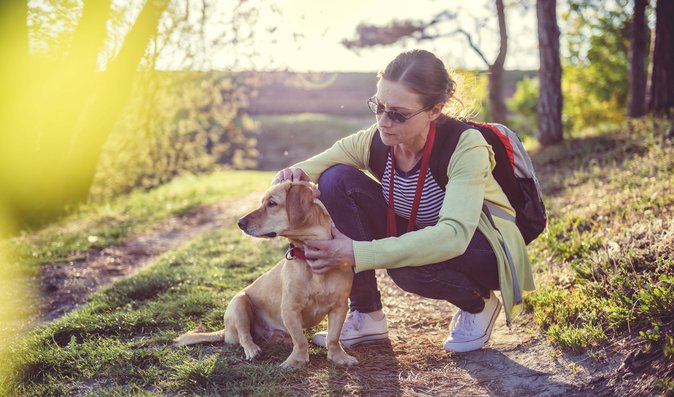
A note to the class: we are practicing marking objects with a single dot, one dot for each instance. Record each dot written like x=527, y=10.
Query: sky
x=307, y=34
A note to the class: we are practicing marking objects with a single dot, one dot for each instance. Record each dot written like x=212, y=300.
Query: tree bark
x=497, y=105
x=550, y=74
x=638, y=45
x=661, y=99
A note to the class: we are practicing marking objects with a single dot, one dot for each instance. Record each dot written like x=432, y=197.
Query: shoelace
x=353, y=322
x=466, y=323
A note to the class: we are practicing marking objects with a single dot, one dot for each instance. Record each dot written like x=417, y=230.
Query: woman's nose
x=384, y=120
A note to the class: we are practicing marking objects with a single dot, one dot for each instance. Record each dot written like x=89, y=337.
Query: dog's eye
x=271, y=203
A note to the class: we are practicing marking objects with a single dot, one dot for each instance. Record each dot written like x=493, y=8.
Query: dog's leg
x=336, y=353
x=292, y=319
x=238, y=319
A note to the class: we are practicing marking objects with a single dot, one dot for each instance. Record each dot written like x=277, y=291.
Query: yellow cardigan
x=470, y=182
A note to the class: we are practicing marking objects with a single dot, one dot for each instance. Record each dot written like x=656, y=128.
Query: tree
x=638, y=53
x=63, y=109
x=550, y=74
x=595, y=84
x=74, y=67
x=368, y=35
x=661, y=100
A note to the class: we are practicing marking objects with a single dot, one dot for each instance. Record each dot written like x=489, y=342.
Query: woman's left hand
x=329, y=254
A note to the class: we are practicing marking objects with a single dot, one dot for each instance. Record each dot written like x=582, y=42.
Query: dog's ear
x=299, y=200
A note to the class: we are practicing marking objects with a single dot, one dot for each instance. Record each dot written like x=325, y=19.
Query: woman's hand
x=326, y=255
x=287, y=174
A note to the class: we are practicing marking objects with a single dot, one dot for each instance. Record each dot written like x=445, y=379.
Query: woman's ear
x=436, y=111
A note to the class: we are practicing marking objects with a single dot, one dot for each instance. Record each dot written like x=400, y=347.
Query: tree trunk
x=114, y=89
x=62, y=113
x=638, y=45
x=661, y=99
x=550, y=74
x=497, y=106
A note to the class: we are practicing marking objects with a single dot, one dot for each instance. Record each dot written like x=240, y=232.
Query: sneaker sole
x=348, y=343
x=364, y=339
x=477, y=343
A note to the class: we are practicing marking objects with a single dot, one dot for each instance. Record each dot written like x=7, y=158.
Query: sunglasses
x=395, y=116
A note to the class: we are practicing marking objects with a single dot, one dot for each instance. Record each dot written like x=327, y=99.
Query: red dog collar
x=294, y=252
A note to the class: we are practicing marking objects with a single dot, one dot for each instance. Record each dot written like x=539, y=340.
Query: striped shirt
x=404, y=188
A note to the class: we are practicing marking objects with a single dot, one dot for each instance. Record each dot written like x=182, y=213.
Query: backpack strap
x=517, y=292
x=446, y=139
x=378, y=153
x=504, y=175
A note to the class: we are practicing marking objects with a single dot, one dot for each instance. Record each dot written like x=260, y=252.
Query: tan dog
x=289, y=297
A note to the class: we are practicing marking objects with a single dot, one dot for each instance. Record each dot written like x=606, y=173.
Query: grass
x=287, y=139
x=120, y=343
x=96, y=225
x=606, y=264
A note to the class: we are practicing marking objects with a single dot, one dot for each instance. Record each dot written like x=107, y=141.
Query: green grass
x=120, y=343
x=287, y=139
x=96, y=225
x=606, y=264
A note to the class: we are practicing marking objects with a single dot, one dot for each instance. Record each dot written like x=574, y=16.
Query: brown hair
x=426, y=75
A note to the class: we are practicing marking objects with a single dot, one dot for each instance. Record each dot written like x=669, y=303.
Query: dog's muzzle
x=243, y=225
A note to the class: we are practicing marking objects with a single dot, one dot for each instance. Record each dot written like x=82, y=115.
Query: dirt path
x=517, y=361
x=65, y=286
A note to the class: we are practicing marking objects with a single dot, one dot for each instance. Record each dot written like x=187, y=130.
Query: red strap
x=391, y=219
x=294, y=252
x=502, y=137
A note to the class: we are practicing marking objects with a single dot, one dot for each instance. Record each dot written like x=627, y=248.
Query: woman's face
x=395, y=96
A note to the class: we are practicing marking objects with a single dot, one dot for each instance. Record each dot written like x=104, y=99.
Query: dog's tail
x=197, y=336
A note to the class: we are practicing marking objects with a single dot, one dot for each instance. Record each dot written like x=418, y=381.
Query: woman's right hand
x=287, y=174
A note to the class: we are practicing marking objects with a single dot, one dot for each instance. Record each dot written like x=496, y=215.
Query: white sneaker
x=470, y=331
x=358, y=328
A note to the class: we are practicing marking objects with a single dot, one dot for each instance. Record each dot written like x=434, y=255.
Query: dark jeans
x=357, y=207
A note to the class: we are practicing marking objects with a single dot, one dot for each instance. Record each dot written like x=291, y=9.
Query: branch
x=473, y=46
x=371, y=35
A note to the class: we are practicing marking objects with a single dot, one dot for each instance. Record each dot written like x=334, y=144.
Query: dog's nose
x=242, y=223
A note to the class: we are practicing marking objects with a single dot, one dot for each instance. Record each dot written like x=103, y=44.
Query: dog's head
x=289, y=209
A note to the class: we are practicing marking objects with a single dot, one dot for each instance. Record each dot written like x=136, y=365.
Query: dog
x=289, y=297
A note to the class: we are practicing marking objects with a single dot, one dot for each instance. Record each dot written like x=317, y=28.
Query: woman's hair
x=426, y=75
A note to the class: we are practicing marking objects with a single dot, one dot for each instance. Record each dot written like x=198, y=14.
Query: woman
x=449, y=250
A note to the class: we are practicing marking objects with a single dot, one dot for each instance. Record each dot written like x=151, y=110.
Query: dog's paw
x=295, y=361
x=252, y=351
x=343, y=359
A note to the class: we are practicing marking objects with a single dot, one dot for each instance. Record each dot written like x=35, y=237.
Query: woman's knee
x=411, y=279
x=335, y=176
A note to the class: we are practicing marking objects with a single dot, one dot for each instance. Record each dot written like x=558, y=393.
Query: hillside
x=601, y=322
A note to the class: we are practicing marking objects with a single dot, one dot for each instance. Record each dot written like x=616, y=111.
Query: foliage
x=607, y=258
x=178, y=122
x=75, y=66
x=595, y=68
x=524, y=105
